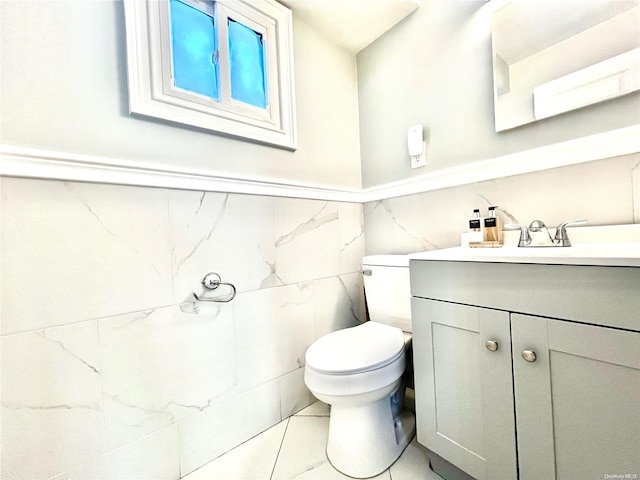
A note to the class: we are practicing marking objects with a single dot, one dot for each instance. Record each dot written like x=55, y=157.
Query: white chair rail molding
x=27, y=162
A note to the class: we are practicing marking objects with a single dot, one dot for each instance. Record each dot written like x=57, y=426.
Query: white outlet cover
x=420, y=160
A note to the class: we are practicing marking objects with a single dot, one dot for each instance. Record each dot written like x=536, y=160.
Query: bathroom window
x=223, y=65
x=194, y=49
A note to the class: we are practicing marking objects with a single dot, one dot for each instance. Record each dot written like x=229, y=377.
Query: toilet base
x=364, y=440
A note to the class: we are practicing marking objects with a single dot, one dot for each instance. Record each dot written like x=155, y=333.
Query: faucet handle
x=525, y=237
x=562, y=239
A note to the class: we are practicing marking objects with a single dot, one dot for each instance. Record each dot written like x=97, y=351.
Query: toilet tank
x=386, y=286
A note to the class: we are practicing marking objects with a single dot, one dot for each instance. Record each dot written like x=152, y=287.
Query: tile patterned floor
x=295, y=449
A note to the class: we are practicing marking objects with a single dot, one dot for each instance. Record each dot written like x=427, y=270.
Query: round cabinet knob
x=491, y=345
x=529, y=355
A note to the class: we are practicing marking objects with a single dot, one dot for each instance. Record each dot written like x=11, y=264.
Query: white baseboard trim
x=34, y=163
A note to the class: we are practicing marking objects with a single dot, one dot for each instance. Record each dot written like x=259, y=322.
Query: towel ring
x=211, y=281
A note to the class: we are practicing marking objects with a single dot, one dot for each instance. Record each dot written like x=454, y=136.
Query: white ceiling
x=352, y=24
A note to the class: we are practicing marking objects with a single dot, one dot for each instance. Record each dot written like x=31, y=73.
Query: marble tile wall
x=109, y=370
x=605, y=192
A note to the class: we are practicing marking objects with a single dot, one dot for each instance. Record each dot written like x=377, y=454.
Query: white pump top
x=388, y=291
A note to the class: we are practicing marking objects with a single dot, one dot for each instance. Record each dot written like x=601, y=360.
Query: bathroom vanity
x=527, y=361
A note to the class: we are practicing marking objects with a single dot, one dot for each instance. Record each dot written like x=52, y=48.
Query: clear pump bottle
x=493, y=228
x=476, y=227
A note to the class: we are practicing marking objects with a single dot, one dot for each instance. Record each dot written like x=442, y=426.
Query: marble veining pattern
x=600, y=191
x=111, y=356
x=355, y=311
x=207, y=235
x=508, y=217
x=51, y=400
x=320, y=218
x=106, y=374
x=273, y=331
x=405, y=228
x=86, y=202
x=343, y=293
x=605, y=192
x=307, y=239
x=161, y=366
x=226, y=424
x=294, y=394
x=61, y=233
x=179, y=261
x=351, y=237
x=358, y=237
x=154, y=457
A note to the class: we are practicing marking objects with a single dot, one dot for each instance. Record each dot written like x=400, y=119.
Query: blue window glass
x=246, y=63
x=193, y=42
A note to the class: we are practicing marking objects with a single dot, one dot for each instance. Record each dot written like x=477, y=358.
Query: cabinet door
x=578, y=403
x=464, y=392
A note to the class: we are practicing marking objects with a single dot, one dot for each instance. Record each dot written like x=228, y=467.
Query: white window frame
x=152, y=92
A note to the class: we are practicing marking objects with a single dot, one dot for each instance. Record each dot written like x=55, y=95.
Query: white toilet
x=358, y=371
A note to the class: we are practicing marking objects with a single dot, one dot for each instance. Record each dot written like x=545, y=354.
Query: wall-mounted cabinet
x=506, y=393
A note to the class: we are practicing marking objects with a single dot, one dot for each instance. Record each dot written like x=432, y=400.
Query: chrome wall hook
x=212, y=281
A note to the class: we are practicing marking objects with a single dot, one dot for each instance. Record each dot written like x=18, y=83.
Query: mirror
x=552, y=56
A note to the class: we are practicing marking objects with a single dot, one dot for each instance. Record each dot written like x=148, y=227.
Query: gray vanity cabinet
x=464, y=392
x=578, y=403
x=570, y=410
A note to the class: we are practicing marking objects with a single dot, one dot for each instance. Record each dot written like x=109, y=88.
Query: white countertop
x=601, y=254
x=605, y=245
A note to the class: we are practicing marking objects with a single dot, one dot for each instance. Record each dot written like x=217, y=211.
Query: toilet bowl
x=359, y=370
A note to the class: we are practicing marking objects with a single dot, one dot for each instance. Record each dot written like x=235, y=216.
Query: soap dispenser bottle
x=493, y=229
x=476, y=227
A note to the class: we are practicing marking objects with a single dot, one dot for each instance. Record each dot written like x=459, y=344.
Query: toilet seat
x=365, y=348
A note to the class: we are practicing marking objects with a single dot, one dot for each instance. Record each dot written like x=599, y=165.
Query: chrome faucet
x=540, y=236
x=537, y=235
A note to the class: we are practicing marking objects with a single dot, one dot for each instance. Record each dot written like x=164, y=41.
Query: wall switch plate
x=420, y=160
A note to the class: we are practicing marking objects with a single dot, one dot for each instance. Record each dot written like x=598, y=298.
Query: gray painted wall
x=434, y=68
x=64, y=88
